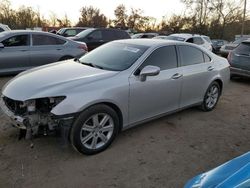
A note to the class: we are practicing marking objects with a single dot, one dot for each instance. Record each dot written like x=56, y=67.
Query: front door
x=157, y=94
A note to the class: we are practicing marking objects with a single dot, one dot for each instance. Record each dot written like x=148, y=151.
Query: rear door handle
x=23, y=50
x=59, y=49
x=210, y=68
x=177, y=76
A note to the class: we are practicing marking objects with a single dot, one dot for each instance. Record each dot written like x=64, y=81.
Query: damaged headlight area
x=43, y=105
x=34, y=115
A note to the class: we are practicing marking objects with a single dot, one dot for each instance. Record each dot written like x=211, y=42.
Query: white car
x=114, y=87
x=4, y=28
x=192, y=38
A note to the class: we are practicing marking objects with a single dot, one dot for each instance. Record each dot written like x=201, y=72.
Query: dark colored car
x=239, y=59
x=71, y=31
x=95, y=37
x=217, y=44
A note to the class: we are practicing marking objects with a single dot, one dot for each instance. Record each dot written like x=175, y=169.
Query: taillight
x=83, y=47
x=229, y=58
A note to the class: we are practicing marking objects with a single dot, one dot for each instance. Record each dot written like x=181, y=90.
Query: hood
x=54, y=79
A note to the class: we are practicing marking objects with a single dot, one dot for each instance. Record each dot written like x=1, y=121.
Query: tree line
x=215, y=18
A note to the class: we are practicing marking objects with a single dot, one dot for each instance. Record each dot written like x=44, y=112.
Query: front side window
x=41, y=40
x=164, y=58
x=96, y=35
x=18, y=40
x=190, y=55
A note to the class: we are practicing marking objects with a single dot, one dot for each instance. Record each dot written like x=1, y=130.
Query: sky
x=155, y=8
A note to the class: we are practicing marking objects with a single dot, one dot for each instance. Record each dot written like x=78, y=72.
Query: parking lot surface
x=162, y=153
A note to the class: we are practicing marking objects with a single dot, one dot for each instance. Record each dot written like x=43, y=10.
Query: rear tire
x=211, y=97
x=95, y=129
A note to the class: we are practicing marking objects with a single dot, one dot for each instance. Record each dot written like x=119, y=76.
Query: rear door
x=15, y=55
x=242, y=56
x=46, y=49
x=198, y=71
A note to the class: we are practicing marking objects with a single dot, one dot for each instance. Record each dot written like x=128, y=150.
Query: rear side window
x=206, y=58
x=96, y=35
x=243, y=49
x=1, y=29
x=164, y=57
x=40, y=40
x=191, y=55
x=18, y=40
x=122, y=34
x=109, y=35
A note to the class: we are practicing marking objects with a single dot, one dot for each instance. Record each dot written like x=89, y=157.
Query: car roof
x=150, y=42
x=7, y=33
x=185, y=35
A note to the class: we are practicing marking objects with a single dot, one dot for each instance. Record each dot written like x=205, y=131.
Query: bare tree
x=91, y=17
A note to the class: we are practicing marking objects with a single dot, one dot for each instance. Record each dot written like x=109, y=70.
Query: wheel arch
x=220, y=82
x=115, y=107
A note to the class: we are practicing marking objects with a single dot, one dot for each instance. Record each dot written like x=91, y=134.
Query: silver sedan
x=21, y=50
x=116, y=86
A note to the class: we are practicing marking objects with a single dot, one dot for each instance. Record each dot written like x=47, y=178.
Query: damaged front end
x=33, y=117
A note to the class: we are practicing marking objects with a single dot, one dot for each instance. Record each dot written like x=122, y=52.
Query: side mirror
x=149, y=71
x=1, y=45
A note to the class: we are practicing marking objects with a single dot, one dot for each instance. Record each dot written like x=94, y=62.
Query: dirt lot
x=162, y=153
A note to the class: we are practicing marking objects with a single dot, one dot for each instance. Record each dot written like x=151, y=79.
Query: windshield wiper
x=91, y=65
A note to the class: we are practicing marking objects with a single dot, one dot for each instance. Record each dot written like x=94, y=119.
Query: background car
x=114, y=87
x=22, y=50
x=4, y=28
x=239, y=59
x=71, y=31
x=234, y=174
x=96, y=37
x=144, y=35
x=225, y=49
x=191, y=38
x=217, y=44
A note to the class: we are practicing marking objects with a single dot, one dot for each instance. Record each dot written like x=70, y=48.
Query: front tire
x=211, y=97
x=95, y=129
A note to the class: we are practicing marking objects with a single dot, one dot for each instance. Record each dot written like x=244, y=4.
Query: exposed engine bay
x=33, y=117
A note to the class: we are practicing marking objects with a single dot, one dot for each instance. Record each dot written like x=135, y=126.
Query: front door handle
x=177, y=76
x=210, y=68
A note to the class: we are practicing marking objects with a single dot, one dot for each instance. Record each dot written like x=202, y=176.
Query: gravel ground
x=162, y=153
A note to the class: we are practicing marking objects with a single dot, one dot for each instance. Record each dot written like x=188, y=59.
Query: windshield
x=114, y=56
x=239, y=40
x=84, y=33
x=207, y=39
x=61, y=31
x=175, y=38
x=135, y=36
x=161, y=37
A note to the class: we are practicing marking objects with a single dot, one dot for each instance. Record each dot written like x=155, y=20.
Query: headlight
x=31, y=105
x=43, y=105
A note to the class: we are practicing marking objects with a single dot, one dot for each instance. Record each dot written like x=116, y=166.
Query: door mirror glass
x=1, y=45
x=149, y=71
